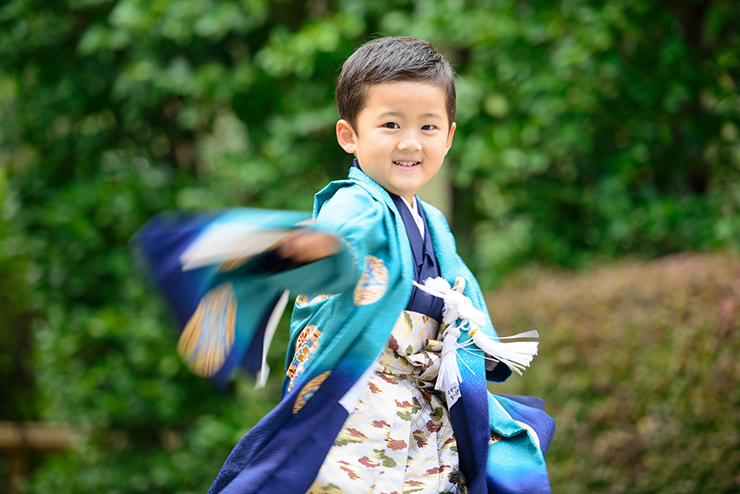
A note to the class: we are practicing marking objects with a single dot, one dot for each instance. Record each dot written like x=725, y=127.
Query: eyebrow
x=398, y=114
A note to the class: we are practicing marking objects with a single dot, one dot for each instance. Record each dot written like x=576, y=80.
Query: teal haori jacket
x=339, y=328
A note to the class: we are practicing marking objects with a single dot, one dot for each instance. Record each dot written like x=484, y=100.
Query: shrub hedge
x=638, y=364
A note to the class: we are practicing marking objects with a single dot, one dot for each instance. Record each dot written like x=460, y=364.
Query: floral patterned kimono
x=399, y=438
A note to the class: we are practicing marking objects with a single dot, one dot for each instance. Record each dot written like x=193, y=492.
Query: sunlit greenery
x=586, y=131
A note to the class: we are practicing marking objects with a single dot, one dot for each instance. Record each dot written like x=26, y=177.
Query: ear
x=450, y=135
x=346, y=136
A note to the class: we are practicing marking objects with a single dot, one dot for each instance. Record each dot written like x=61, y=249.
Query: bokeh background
x=594, y=139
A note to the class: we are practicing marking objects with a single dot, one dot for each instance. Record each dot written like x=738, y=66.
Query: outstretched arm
x=308, y=246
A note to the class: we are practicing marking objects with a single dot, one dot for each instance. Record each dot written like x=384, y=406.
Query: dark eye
x=428, y=127
x=390, y=125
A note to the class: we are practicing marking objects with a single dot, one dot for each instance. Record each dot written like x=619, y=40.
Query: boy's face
x=402, y=135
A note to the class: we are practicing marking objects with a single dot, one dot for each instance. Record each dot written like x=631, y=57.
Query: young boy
x=360, y=412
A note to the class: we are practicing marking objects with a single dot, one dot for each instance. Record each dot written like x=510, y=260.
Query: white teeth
x=406, y=164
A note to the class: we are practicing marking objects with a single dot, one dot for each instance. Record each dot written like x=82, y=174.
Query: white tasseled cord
x=448, y=376
x=517, y=354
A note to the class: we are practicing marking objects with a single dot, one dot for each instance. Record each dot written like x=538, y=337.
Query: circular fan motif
x=304, y=300
x=309, y=390
x=208, y=336
x=373, y=282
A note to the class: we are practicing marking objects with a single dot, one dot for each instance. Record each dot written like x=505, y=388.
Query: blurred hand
x=307, y=246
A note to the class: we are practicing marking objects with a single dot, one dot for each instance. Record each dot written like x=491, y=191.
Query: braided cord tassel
x=448, y=376
x=517, y=355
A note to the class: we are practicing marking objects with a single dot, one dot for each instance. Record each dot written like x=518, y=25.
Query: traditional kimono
x=349, y=306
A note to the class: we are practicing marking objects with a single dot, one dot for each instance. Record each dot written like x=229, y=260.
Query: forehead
x=407, y=97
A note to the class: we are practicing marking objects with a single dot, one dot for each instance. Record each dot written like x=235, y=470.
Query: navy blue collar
x=418, y=245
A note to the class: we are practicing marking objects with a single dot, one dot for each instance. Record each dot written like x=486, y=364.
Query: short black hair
x=391, y=59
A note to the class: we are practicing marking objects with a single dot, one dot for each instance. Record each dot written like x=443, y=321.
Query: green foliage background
x=586, y=131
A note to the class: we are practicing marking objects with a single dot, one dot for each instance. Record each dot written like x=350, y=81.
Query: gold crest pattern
x=309, y=390
x=306, y=345
x=304, y=300
x=208, y=336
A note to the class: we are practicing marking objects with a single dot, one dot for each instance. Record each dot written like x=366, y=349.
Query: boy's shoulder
x=356, y=192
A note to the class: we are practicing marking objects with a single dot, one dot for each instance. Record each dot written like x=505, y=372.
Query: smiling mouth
x=407, y=164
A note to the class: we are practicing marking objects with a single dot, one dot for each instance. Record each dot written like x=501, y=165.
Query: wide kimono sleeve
x=226, y=291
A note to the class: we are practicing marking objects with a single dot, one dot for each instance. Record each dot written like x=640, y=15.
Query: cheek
x=440, y=149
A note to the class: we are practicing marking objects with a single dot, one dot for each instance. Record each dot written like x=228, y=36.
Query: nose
x=410, y=142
